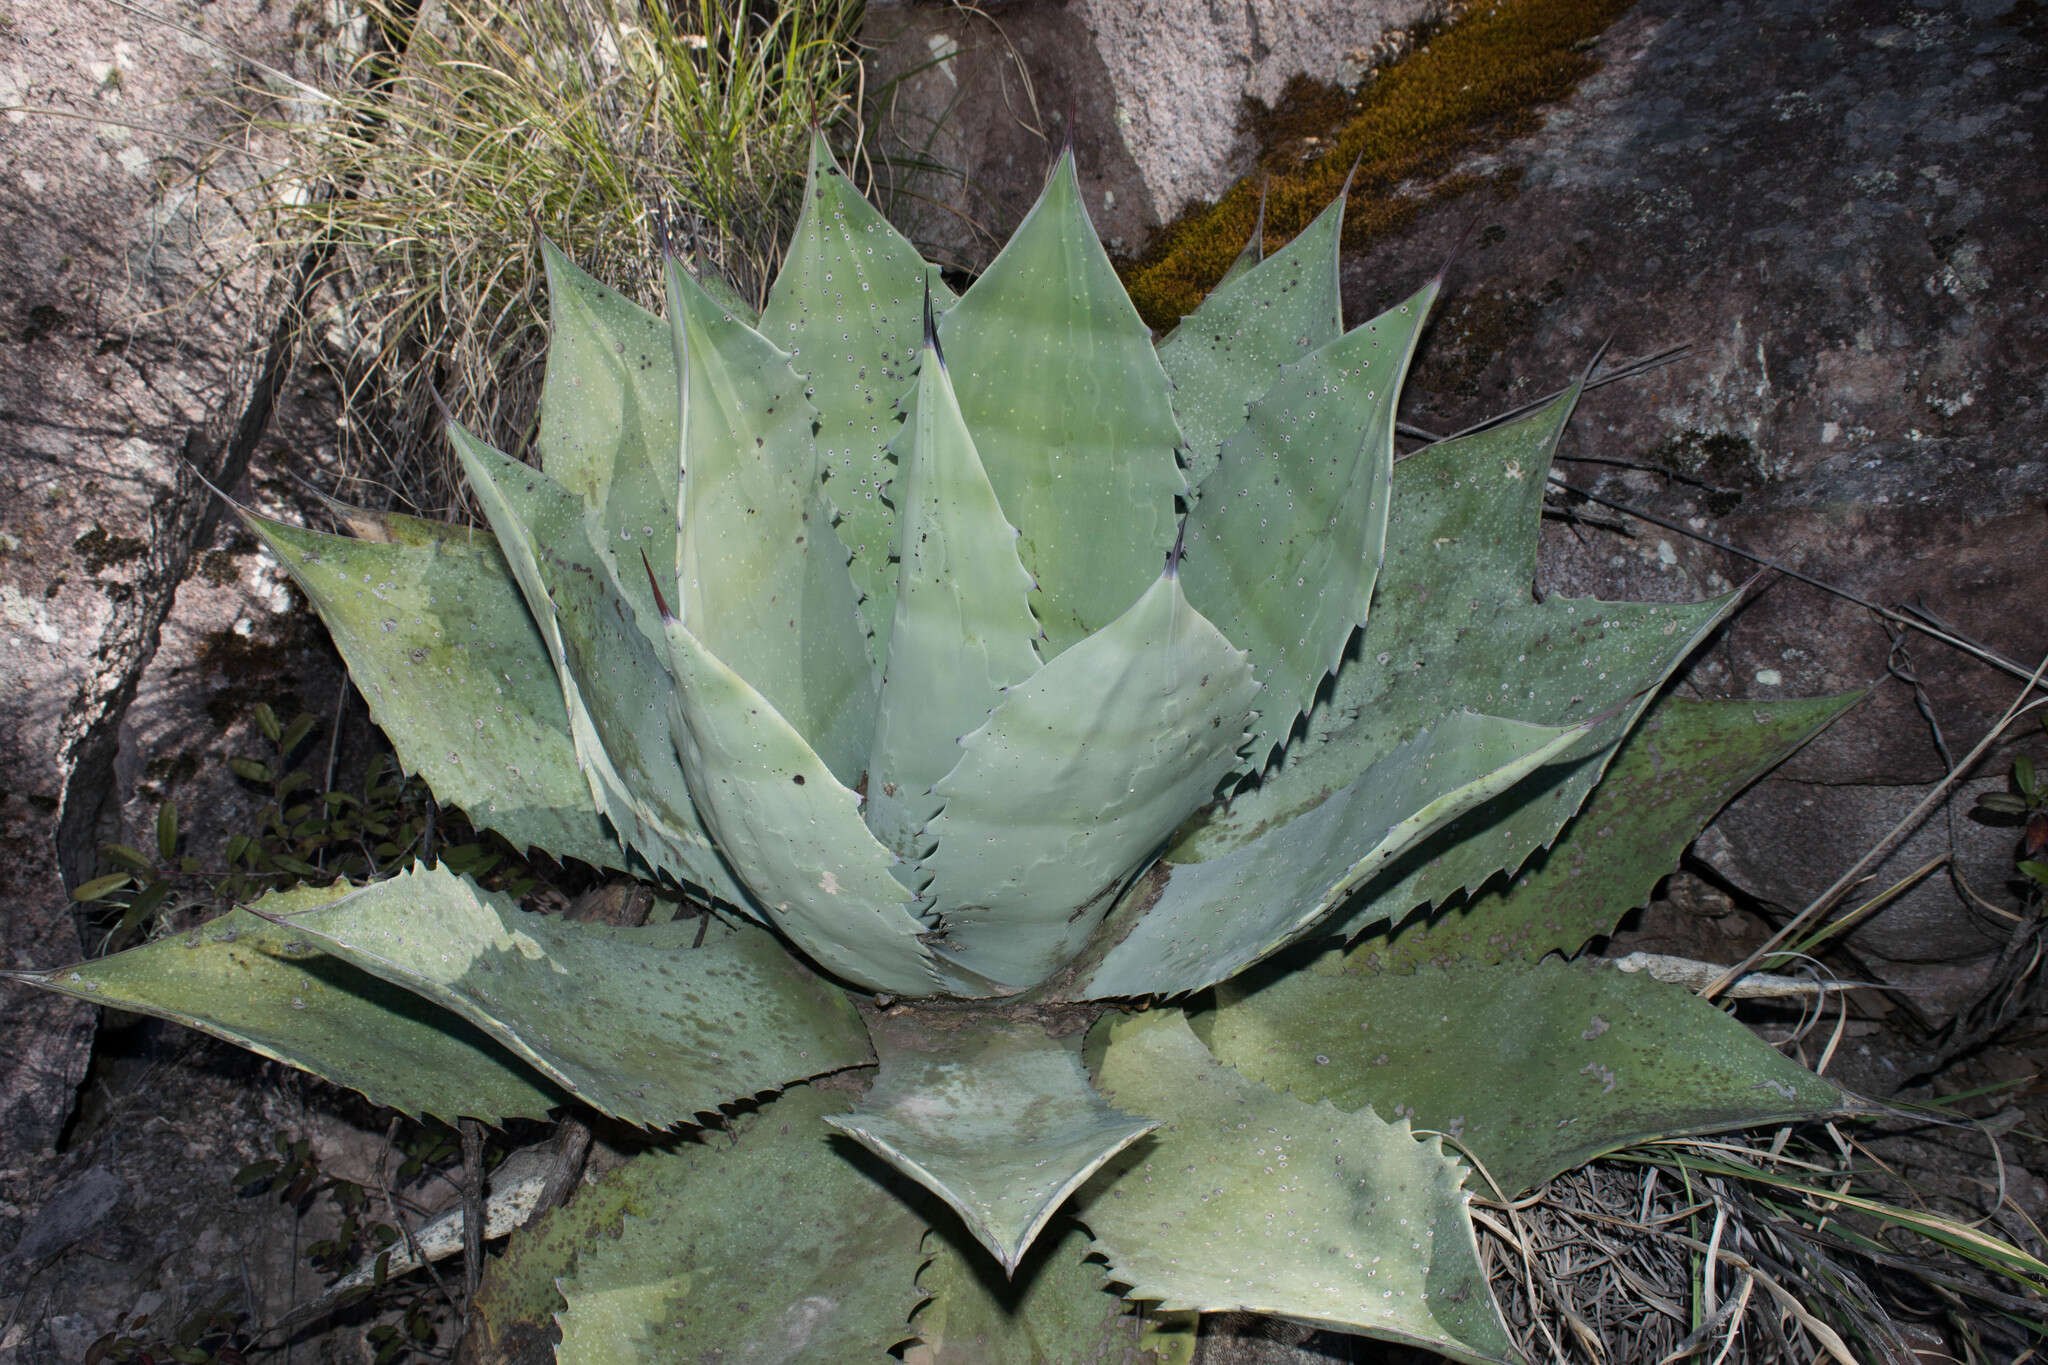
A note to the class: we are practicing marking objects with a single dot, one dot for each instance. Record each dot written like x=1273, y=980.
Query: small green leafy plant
x=976, y=655
x=300, y=832
x=2026, y=806
x=409, y=1316
x=213, y=1335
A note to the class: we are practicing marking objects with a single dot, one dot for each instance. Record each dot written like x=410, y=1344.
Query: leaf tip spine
x=660, y=602
x=212, y=488
x=441, y=406
x=931, y=326
x=1343, y=194
x=1471, y=226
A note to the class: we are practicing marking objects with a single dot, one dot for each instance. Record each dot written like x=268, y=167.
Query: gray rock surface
x=73, y=1209
x=1157, y=90
x=1836, y=204
x=129, y=312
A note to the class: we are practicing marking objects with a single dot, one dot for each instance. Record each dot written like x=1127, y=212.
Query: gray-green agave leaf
x=1250, y=1201
x=995, y=1116
x=1266, y=313
x=1076, y=777
x=847, y=306
x=438, y=638
x=635, y=1022
x=1557, y=1062
x=963, y=629
x=258, y=984
x=1073, y=415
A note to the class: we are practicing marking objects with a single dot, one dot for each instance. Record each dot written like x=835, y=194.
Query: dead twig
x=1826, y=900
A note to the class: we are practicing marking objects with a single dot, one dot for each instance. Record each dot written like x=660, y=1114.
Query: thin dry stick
x=1970, y=647
x=1627, y=369
x=1919, y=610
x=2020, y=706
x=1726, y=1315
x=412, y=1242
x=1879, y=901
x=1736, y=1312
x=1710, y=1276
x=1914, y=618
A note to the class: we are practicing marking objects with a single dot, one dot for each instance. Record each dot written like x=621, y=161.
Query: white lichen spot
x=944, y=47
x=22, y=614
x=829, y=884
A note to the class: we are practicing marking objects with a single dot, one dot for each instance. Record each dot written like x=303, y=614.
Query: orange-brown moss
x=1479, y=80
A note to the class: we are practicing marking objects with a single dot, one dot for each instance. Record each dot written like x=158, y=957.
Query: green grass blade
x=1973, y=1243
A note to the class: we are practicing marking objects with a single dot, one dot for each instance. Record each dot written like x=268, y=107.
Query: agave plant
x=976, y=657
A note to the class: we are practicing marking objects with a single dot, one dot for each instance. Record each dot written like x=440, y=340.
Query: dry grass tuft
x=1763, y=1249
x=436, y=151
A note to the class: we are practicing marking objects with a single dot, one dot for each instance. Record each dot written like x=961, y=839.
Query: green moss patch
x=1478, y=81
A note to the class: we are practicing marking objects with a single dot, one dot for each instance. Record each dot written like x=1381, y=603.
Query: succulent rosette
x=1014, y=686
